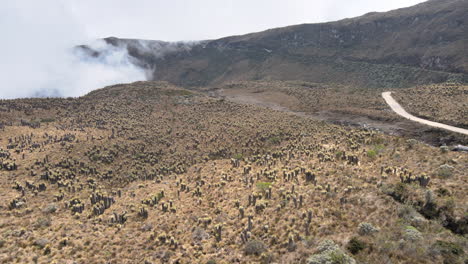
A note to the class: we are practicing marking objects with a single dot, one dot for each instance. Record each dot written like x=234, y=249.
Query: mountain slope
x=421, y=44
x=152, y=173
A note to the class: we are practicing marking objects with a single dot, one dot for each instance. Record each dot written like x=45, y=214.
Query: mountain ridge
x=400, y=48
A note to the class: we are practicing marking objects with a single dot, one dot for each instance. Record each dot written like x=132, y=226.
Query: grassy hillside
x=152, y=173
x=446, y=103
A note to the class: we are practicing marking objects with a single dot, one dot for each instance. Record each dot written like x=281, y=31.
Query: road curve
x=396, y=107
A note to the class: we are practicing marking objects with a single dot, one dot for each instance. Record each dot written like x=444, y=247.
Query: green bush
x=443, y=192
x=398, y=191
x=275, y=140
x=337, y=258
x=376, y=150
x=355, y=245
x=448, y=248
x=338, y=154
x=263, y=186
x=47, y=120
x=372, y=154
x=238, y=156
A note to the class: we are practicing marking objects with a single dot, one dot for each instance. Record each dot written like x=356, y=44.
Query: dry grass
x=132, y=142
x=445, y=103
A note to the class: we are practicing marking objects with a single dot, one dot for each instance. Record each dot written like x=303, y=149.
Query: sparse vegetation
x=263, y=186
x=254, y=247
x=355, y=245
x=190, y=178
x=445, y=171
x=366, y=229
x=329, y=252
x=444, y=103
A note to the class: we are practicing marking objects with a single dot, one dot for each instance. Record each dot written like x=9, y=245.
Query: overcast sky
x=208, y=19
x=38, y=36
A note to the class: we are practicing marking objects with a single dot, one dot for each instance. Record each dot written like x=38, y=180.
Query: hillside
x=446, y=103
x=152, y=173
x=401, y=48
x=271, y=147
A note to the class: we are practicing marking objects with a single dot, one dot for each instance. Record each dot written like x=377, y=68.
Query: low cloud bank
x=39, y=58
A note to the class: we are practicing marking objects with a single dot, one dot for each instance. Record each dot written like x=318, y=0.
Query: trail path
x=396, y=107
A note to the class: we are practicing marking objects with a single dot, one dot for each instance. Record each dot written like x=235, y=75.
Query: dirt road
x=396, y=107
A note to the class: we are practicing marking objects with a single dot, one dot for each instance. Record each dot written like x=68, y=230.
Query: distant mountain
x=426, y=43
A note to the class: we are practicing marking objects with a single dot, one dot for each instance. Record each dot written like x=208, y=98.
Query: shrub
x=338, y=154
x=42, y=222
x=398, y=191
x=445, y=171
x=444, y=149
x=41, y=243
x=412, y=234
x=411, y=216
x=372, y=154
x=448, y=248
x=238, y=156
x=47, y=120
x=443, y=192
x=329, y=253
x=263, y=186
x=411, y=143
x=50, y=208
x=366, y=229
x=338, y=258
x=47, y=250
x=376, y=150
x=275, y=140
x=451, y=252
x=429, y=197
x=355, y=245
x=267, y=258
x=211, y=261
x=200, y=234
x=254, y=247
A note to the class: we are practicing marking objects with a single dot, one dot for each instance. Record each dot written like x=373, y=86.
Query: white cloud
x=209, y=19
x=38, y=58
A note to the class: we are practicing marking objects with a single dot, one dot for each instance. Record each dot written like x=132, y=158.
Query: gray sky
x=208, y=19
x=38, y=36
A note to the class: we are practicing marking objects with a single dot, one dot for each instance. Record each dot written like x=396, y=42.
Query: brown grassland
x=444, y=103
x=152, y=173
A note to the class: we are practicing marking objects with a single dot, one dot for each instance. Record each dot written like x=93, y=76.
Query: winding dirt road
x=396, y=107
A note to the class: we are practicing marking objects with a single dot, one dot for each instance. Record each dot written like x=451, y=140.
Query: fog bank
x=39, y=58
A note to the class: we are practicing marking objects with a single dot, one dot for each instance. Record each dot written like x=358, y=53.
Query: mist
x=38, y=53
x=39, y=58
